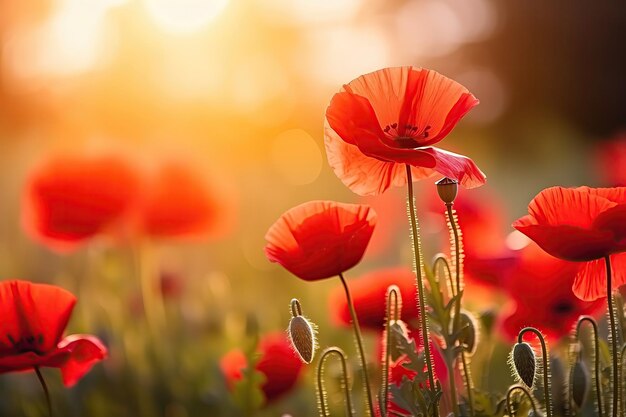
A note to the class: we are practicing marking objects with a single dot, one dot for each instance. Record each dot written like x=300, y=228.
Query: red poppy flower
x=540, y=286
x=611, y=160
x=369, y=294
x=278, y=362
x=320, y=239
x=383, y=120
x=179, y=203
x=34, y=317
x=69, y=199
x=582, y=224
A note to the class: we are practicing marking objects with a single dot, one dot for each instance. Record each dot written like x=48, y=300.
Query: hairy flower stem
x=321, y=391
x=392, y=300
x=45, y=389
x=596, y=356
x=457, y=308
x=526, y=392
x=420, y=284
x=545, y=362
x=614, y=350
x=359, y=342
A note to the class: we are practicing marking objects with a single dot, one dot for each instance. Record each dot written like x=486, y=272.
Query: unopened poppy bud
x=447, y=189
x=469, y=335
x=301, y=333
x=524, y=363
x=580, y=382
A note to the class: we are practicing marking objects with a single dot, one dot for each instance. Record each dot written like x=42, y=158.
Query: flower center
x=27, y=343
x=407, y=136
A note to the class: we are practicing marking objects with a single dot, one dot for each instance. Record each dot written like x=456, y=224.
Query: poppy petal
x=34, y=316
x=436, y=102
x=83, y=352
x=560, y=220
x=582, y=206
x=320, y=239
x=369, y=176
x=590, y=282
x=458, y=167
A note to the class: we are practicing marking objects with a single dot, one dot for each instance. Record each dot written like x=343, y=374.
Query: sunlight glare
x=184, y=16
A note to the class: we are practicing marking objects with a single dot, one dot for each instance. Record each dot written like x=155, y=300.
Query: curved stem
x=420, y=284
x=596, y=355
x=359, y=342
x=441, y=259
x=546, y=365
x=614, y=351
x=392, y=294
x=321, y=391
x=525, y=391
x=45, y=389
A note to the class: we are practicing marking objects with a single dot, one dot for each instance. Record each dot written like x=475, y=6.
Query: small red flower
x=391, y=117
x=540, y=287
x=34, y=317
x=369, y=294
x=584, y=225
x=320, y=239
x=70, y=199
x=278, y=362
x=611, y=160
x=179, y=203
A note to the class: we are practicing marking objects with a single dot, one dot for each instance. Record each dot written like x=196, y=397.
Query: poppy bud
x=580, y=382
x=301, y=333
x=447, y=189
x=469, y=335
x=524, y=363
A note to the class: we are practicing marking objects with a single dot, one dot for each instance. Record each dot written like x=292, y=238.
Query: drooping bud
x=301, y=333
x=469, y=335
x=447, y=189
x=524, y=363
x=580, y=382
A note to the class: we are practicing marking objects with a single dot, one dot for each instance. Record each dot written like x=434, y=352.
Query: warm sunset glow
x=184, y=16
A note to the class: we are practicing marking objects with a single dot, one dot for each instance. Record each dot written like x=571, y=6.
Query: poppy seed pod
x=524, y=363
x=301, y=333
x=580, y=382
x=447, y=189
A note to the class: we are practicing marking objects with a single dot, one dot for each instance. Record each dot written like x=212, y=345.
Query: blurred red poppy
x=540, y=287
x=72, y=198
x=34, y=317
x=320, y=239
x=391, y=117
x=278, y=363
x=582, y=224
x=611, y=160
x=179, y=203
x=369, y=294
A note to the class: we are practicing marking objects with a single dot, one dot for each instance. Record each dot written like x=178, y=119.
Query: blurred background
x=237, y=89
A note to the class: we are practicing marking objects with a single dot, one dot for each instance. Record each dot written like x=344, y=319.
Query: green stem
x=359, y=342
x=596, y=354
x=525, y=391
x=452, y=385
x=321, y=391
x=614, y=351
x=441, y=259
x=468, y=382
x=420, y=285
x=546, y=365
x=392, y=293
x=42, y=381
